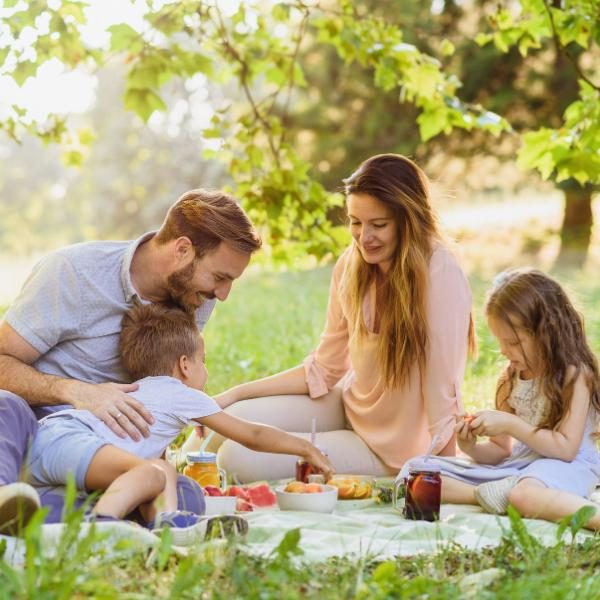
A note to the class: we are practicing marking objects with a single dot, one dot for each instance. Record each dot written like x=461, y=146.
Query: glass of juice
x=423, y=491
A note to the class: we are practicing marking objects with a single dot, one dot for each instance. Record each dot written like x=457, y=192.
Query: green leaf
x=281, y=12
x=447, y=48
x=289, y=544
x=124, y=37
x=432, y=122
x=481, y=39
x=143, y=102
x=23, y=71
x=72, y=158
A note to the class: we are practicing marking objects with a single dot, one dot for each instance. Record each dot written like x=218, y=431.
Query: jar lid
x=201, y=457
x=423, y=464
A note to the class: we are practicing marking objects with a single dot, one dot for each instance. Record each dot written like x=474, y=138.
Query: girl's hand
x=491, y=423
x=465, y=438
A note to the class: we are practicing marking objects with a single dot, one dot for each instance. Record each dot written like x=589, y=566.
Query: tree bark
x=576, y=230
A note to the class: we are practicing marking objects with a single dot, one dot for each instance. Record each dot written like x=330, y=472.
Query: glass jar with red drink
x=304, y=469
x=423, y=491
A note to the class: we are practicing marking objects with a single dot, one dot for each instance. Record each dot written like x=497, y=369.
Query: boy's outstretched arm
x=264, y=438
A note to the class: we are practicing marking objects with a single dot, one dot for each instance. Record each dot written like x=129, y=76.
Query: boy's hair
x=207, y=218
x=530, y=300
x=154, y=337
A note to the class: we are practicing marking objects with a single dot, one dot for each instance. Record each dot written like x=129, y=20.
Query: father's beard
x=181, y=292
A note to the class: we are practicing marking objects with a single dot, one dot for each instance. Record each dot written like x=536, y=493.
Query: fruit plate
x=344, y=505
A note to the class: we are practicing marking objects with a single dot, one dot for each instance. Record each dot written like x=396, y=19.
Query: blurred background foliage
x=281, y=100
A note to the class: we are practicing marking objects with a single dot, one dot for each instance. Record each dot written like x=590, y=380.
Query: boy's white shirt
x=173, y=405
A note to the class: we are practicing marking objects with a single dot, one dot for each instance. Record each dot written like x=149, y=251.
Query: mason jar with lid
x=202, y=468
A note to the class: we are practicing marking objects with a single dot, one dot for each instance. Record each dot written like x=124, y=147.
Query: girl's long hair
x=530, y=300
x=402, y=186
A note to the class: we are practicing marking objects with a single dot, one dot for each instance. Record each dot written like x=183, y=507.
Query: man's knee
x=13, y=409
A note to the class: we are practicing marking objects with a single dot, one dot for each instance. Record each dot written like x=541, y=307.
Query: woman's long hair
x=402, y=186
x=530, y=300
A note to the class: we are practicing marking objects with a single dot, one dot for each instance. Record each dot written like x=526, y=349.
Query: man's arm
x=108, y=401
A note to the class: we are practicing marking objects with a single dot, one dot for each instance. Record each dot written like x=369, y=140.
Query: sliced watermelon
x=261, y=495
x=211, y=490
x=243, y=499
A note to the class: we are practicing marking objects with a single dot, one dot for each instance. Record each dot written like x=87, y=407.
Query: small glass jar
x=423, y=491
x=202, y=468
x=304, y=469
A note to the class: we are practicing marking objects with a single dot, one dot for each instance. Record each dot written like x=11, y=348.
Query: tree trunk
x=576, y=228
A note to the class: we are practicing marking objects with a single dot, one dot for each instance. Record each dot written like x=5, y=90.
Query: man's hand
x=110, y=402
x=491, y=423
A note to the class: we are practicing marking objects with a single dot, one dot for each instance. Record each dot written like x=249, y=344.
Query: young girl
x=547, y=400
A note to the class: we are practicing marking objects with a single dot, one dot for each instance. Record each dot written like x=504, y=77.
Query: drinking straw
x=313, y=431
x=206, y=441
x=433, y=443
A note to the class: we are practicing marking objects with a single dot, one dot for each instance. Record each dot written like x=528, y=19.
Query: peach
x=346, y=487
x=313, y=488
x=363, y=490
x=296, y=487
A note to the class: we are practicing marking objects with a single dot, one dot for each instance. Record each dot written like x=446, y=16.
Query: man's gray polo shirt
x=70, y=310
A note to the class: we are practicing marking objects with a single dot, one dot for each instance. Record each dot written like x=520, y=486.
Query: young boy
x=163, y=350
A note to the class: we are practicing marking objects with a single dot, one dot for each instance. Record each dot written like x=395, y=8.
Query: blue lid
x=201, y=457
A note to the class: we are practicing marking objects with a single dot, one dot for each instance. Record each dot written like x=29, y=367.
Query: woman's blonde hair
x=530, y=300
x=401, y=185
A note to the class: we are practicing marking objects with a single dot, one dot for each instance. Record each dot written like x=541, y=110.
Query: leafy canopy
x=258, y=48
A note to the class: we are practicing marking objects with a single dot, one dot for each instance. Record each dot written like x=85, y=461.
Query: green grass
x=270, y=323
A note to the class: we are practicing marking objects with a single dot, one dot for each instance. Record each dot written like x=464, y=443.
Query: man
x=59, y=340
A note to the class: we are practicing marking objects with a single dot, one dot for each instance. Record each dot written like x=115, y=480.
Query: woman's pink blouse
x=398, y=423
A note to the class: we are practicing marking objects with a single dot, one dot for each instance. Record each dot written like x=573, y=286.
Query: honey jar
x=202, y=468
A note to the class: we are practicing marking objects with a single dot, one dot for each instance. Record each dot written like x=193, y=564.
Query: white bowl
x=220, y=505
x=323, y=502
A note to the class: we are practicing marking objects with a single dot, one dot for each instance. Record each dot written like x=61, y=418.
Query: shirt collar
x=128, y=289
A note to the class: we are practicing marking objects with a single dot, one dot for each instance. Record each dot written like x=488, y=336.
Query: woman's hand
x=491, y=423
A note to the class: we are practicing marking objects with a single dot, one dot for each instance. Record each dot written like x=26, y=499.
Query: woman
x=385, y=378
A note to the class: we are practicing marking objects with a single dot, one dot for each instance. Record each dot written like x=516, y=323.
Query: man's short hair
x=207, y=218
x=154, y=337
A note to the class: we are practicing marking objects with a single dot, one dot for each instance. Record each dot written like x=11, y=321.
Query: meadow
x=270, y=322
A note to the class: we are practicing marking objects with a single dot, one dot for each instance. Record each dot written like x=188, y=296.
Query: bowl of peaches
x=312, y=497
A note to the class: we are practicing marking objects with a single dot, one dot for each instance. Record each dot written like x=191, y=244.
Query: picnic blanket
x=377, y=531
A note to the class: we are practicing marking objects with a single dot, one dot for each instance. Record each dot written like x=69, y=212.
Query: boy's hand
x=318, y=459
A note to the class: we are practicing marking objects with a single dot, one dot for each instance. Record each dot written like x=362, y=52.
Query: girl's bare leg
x=457, y=492
x=535, y=501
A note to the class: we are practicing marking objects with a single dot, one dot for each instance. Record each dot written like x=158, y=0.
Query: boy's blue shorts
x=62, y=446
